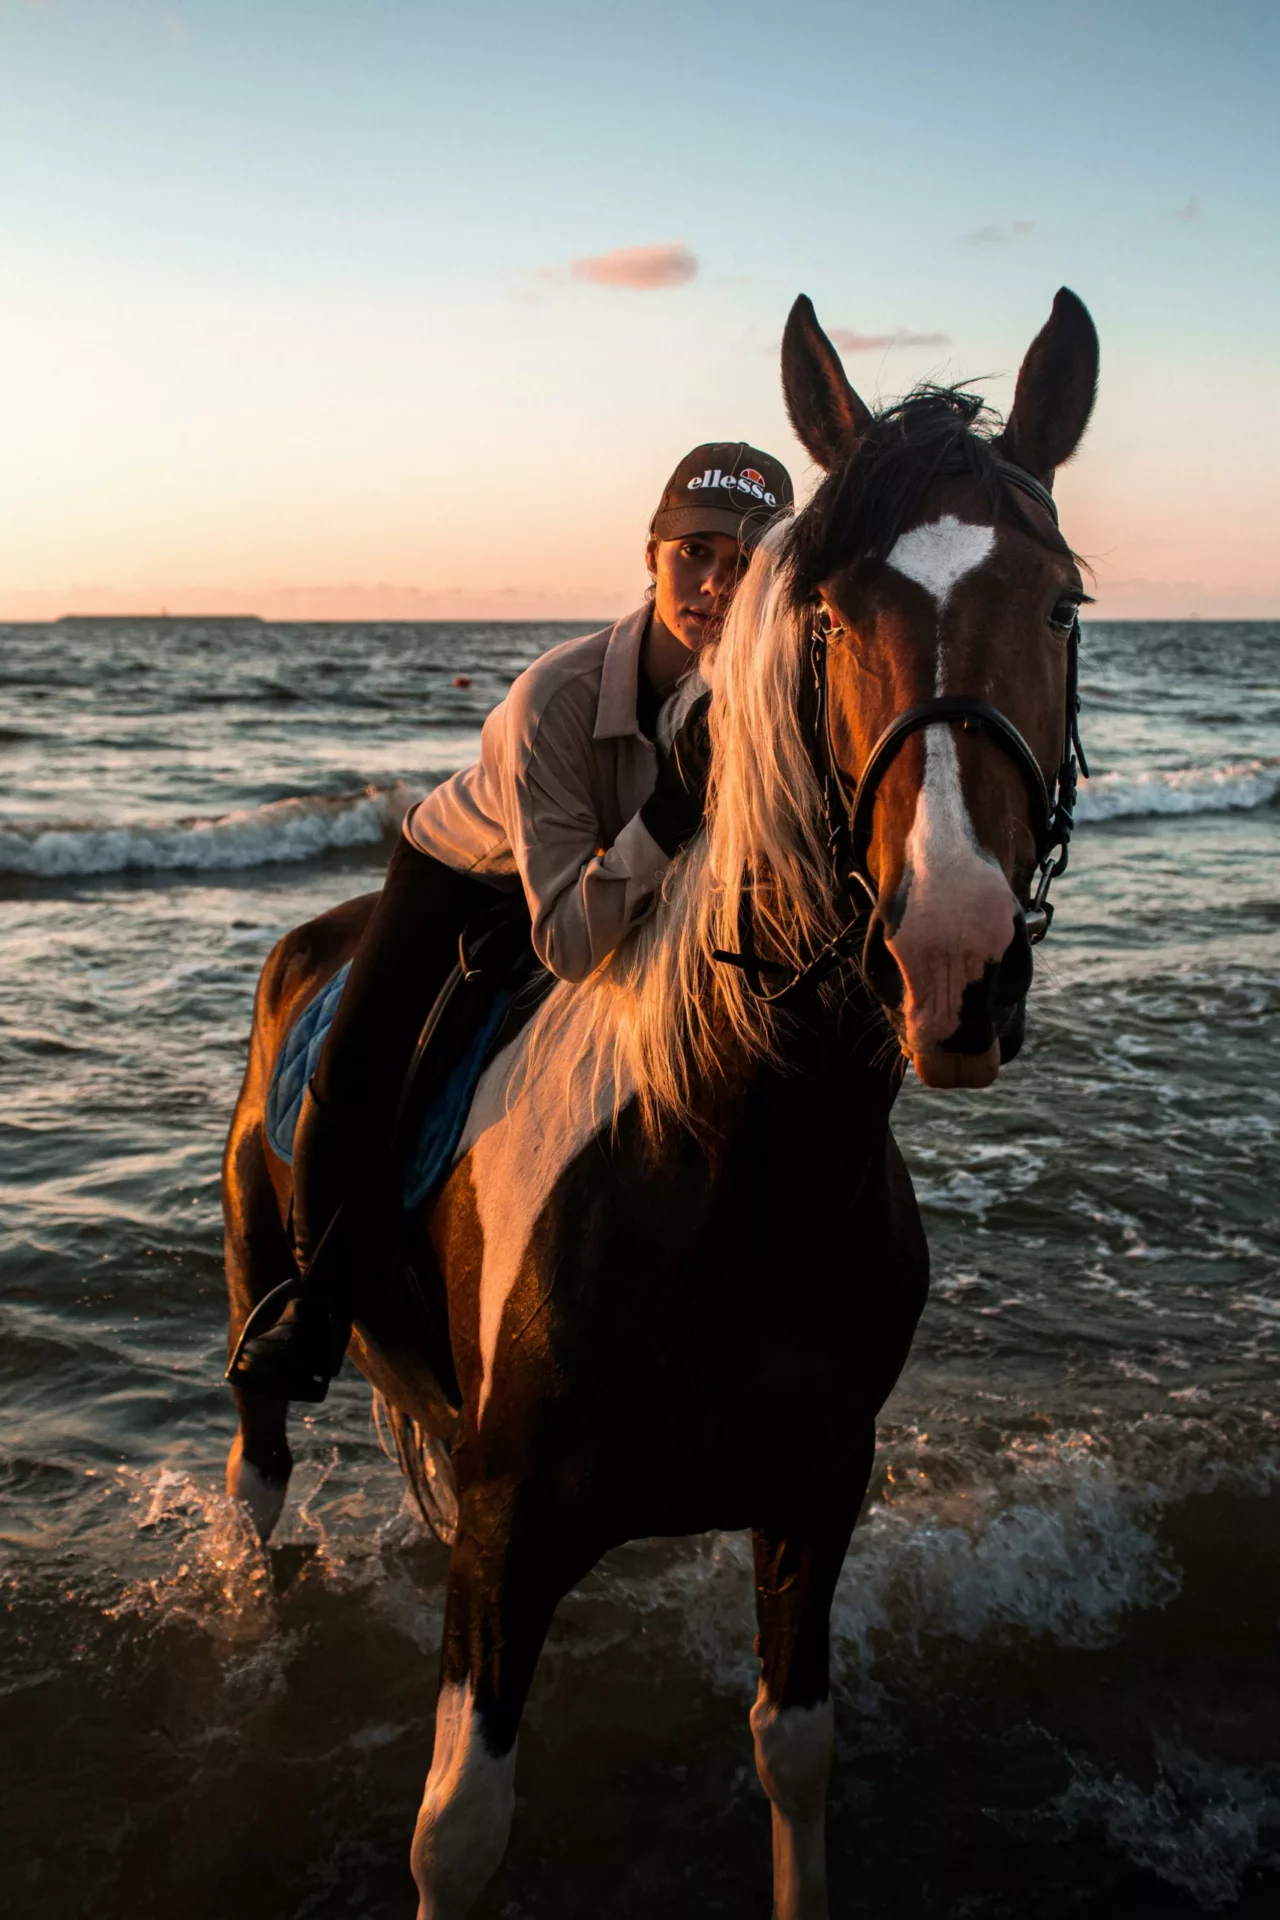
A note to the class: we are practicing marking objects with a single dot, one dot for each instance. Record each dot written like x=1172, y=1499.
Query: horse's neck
x=548, y=1095
x=831, y=1092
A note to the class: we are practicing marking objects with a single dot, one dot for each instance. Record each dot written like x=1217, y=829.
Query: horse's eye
x=1063, y=617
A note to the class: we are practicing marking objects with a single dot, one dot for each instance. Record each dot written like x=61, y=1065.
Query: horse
x=683, y=1259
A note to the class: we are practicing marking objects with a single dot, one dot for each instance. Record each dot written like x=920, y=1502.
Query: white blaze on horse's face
x=960, y=912
x=940, y=554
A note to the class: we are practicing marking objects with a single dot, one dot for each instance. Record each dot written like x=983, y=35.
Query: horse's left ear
x=1055, y=392
x=825, y=411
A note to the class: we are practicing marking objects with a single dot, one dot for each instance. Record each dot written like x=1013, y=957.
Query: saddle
x=464, y=1029
x=494, y=988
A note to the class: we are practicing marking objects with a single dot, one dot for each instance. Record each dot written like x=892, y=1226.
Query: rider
x=563, y=802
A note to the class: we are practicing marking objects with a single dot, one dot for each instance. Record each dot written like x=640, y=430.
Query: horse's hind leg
x=257, y=1259
x=510, y=1568
x=797, y=1566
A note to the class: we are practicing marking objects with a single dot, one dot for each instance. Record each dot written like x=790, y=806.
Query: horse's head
x=939, y=571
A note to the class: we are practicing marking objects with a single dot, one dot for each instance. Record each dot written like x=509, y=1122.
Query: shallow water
x=1057, y=1631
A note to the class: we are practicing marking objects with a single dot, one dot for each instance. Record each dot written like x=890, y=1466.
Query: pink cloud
x=849, y=342
x=641, y=268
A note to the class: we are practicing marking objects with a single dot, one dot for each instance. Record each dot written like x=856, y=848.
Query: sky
x=399, y=309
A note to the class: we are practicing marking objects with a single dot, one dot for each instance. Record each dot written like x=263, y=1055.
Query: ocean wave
x=283, y=830
x=1057, y=1543
x=1054, y=1536
x=1229, y=789
x=315, y=824
x=1203, y=1827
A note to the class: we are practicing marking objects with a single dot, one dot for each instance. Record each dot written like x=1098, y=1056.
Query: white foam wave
x=305, y=828
x=284, y=830
x=1062, y=1546
x=1058, y=1542
x=1202, y=1827
x=1049, y=1536
x=1229, y=789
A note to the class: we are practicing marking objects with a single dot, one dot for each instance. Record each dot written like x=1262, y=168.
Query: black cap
x=724, y=486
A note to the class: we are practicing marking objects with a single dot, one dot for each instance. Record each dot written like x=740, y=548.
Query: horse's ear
x=825, y=411
x=1055, y=392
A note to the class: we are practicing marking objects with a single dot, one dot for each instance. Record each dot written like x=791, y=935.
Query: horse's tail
x=425, y=1464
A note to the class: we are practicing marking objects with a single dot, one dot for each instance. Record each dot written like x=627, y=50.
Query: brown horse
x=683, y=1258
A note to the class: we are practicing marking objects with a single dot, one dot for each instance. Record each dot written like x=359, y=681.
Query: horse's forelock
x=864, y=504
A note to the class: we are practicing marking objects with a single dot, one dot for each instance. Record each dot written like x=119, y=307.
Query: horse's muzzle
x=992, y=1022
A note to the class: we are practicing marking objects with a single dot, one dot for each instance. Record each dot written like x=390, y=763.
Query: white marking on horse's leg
x=465, y=1817
x=264, y=1498
x=938, y=555
x=525, y=1127
x=793, y=1760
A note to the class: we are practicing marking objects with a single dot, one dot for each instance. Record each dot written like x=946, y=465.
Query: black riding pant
x=405, y=955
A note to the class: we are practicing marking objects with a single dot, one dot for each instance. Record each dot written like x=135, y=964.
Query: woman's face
x=695, y=578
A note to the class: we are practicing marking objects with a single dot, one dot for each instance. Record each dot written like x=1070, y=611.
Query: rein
x=850, y=805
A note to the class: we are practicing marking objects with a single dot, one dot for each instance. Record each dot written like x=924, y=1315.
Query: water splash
x=219, y=1577
x=1201, y=1827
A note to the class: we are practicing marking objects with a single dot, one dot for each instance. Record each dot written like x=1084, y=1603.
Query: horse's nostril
x=880, y=970
x=1013, y=981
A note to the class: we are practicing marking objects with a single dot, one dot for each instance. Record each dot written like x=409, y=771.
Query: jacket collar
x=620, y=676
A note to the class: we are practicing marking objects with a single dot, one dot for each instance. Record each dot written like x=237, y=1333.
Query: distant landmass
x=132, y=619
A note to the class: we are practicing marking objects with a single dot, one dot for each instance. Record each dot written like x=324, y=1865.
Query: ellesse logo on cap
x=748, y=481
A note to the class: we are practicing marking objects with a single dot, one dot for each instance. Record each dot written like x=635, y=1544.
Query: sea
x=1056, y=1641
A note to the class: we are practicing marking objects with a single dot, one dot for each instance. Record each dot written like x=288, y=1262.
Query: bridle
x=850, y=804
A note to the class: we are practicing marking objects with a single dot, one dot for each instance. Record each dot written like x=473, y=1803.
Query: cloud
x=993, y=234
x=1191, y=211
x=850, y=342
x=642, y=268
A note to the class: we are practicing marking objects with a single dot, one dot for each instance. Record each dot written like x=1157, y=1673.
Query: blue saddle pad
x=441, y=1130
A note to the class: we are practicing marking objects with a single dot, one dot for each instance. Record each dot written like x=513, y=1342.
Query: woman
x=570, y=801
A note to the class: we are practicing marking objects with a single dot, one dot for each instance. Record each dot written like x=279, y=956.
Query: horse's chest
x=696, y=1322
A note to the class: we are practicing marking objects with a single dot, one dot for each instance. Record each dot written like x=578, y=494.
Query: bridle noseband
x=850, y=805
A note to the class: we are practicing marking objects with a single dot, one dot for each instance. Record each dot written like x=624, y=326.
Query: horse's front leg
x=512, y=1563
x=797, y=1566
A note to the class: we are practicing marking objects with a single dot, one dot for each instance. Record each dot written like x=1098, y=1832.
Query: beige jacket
x=553, y=801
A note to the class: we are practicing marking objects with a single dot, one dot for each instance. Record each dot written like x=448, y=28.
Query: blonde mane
x=660, y=1015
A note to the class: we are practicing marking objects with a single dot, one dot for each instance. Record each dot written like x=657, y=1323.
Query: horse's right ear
x=1056, y=387
x=825, y=411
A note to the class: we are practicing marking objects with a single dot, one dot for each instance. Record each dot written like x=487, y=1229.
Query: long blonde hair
x=660, y=1013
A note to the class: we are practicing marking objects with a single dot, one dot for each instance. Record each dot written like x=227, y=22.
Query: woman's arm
x=584, y=898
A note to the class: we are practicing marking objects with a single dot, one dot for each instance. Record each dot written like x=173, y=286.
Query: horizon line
x=519, y=620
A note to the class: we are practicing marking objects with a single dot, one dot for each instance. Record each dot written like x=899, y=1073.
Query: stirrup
x=294, y=1378
x=264, y=1315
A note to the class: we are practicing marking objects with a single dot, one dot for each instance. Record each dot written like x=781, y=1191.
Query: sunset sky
x=344, y=308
